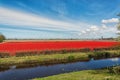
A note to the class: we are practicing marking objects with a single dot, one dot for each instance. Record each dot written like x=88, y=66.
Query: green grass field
x=84, y=75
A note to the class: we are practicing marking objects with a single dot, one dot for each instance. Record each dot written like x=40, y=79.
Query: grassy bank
x=84, y=75
x=45, y=59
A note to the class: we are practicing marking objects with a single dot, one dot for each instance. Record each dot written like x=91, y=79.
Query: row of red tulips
x=63, y=51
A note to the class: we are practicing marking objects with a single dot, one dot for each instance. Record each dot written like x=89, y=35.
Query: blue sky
x=41, y=19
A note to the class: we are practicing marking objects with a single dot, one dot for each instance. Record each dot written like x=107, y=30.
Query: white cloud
x=19, y=18
x=95, y=31
x=87, y=30
x=14, y=17
x=94, y=28
x=83, y=32
x=117, y=32
x=104, y=26
x=113, y=20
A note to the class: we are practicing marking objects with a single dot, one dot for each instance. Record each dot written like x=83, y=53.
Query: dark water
x=42, y=71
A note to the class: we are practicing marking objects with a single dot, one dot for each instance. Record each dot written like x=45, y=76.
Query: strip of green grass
x=43, y=58
x=55, y=58
x=84, y=75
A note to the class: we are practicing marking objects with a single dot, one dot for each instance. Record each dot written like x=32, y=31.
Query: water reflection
x=115, y=59
x=12, y=67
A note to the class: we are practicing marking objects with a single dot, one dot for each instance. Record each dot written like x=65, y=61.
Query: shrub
x=117, y=47
x=91, y=55
x=85, y=50
x=26, y=53
x=102, y=54
x=115, y=70
x=74, y=50
x=101, y=49
x=47, y=52
x=64, y=51
x=99, y=55
x=2, y=37
x=4, y=55
x=70, y=58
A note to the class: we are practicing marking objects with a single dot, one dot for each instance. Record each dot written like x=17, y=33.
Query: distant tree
x=2, y=37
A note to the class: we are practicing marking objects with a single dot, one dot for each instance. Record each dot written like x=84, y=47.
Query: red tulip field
x=13, y=47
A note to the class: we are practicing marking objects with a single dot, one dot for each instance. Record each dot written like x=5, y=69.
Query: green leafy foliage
x=2, y=37
x=70, y=58
x=115, y=69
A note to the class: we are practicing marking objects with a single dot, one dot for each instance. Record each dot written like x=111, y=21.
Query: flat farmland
x=15, y=46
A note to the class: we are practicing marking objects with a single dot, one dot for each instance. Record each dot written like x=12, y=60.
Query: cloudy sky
x=41, y=19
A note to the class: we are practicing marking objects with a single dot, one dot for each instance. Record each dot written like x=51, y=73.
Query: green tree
x=2, y=37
